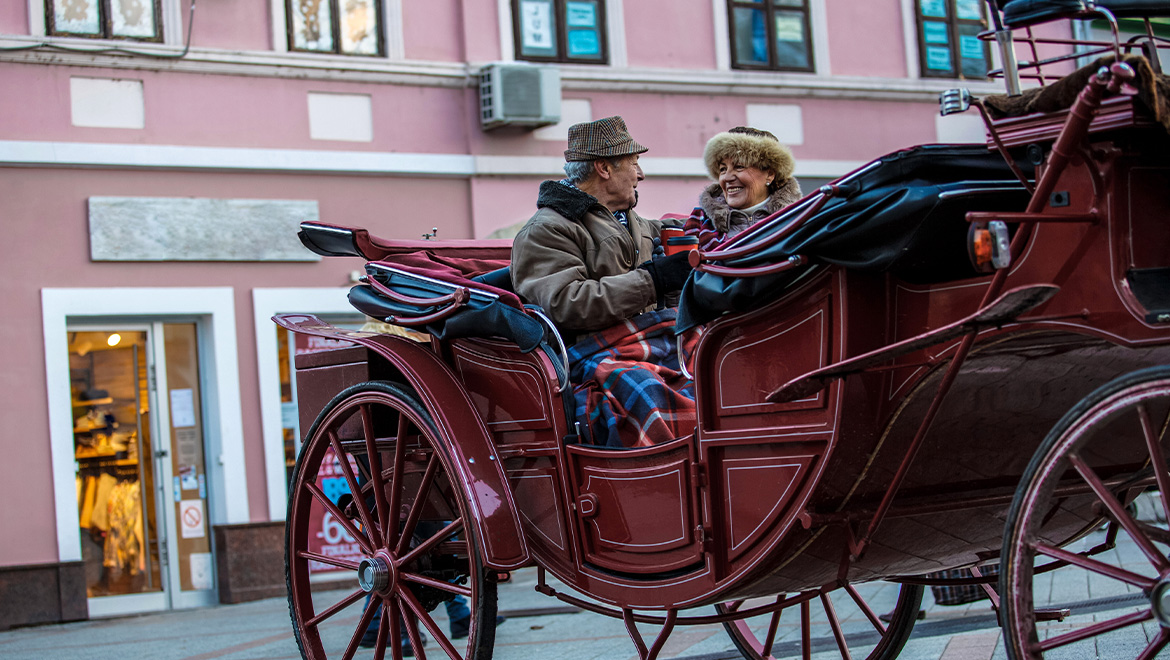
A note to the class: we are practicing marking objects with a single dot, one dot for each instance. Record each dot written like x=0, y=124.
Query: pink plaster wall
x=190, y=109
x=482, y=36
x=670, y=34
x=14, y=17
x=48, y=246
x=866, y=38
x=433, y=29
x=240, y=25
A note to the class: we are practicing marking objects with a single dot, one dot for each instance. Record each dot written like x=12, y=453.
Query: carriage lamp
x=989, y=246
x=954, y=101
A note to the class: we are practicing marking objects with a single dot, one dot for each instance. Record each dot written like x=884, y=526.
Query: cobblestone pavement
x=540, y=627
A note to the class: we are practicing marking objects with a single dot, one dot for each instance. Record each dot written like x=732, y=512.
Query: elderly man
x=585, y=256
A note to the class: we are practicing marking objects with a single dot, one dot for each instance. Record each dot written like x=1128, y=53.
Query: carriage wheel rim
x=1059, y=455
x=391, y=571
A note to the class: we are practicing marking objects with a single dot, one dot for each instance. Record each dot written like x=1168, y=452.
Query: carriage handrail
x=453, y=302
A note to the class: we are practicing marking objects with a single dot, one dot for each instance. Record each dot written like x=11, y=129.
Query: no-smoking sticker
x=191, y=519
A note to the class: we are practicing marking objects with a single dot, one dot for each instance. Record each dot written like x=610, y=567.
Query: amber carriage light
x=989, y=246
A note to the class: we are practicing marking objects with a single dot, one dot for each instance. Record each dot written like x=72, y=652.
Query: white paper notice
x=536, y=24
x=182, y=408
x=201, y=570
x=191, y=519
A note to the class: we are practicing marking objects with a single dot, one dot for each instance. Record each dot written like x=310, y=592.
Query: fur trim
x=762, y=152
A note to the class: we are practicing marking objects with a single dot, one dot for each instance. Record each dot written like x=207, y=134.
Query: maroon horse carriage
x=954, y=356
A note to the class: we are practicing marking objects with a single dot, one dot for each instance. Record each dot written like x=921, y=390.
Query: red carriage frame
x=825, y=453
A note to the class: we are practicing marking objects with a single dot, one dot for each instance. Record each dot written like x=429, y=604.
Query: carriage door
x=140, y=472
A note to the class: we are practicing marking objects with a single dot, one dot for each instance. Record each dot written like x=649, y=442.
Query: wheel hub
x=1160, y=601
x=376, y=573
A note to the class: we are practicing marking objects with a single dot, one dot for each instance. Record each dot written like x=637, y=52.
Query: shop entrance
x=138, y=436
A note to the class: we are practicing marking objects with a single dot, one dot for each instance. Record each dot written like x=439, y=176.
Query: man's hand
x=669, y=273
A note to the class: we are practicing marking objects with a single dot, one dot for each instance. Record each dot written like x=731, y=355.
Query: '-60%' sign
x=327, y=536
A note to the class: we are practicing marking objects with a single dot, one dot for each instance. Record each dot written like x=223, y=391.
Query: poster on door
x=191, y=519
x=327, y=536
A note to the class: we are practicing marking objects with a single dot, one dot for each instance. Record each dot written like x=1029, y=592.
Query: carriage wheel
x=840, y=619
x=1100, y=455
x=404, y=543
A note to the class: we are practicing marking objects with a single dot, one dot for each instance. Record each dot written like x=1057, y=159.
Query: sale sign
x=327, y=536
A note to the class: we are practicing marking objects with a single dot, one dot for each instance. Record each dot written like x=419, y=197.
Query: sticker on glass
x=536, y=25
x=933, y=8
x=583, y=43
x=970, y=47
x=935, y=33
x=581, y=14
x=969, y=9
x=191, y=519
x=789, y=28
x=938, y=59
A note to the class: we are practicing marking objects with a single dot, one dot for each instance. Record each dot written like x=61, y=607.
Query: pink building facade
x=155, y=162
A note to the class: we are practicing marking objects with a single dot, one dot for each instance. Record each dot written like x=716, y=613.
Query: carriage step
x=1055, y=614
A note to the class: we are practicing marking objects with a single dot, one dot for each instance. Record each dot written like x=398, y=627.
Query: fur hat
x=752, y=147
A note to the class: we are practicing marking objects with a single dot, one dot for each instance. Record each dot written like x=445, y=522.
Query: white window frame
x=214, y=307
x=818, y=20
x=615, y=34
x=171, y=17
x=391, y=24
x=266, y=303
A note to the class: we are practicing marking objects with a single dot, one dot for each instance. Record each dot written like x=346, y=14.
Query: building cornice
x=121, y=156
x=302, y=66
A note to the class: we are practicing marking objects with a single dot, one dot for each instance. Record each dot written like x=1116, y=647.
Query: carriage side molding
x=476, y=462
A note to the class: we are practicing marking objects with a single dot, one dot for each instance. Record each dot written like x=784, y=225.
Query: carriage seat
x=1022, y=13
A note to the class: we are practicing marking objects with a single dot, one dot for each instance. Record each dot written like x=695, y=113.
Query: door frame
x=213, y=310
x=267, y=302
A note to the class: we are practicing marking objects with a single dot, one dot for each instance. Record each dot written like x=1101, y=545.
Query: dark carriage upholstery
x=1022, y=13
x=493, y=310
x=904, y=214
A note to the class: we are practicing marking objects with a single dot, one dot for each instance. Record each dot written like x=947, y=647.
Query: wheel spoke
x=396, y=484
x=375, y=458
x=452, y=528
x=1095, y=629
x=1157, y=644
x=1157, y=457
x=359, y=501
x=424, y=617
x=835, y=624
x=437, y=584
x=395, y=618
x=1120, y=514
x=363, y=623
x=1089, y=564
x=383, y=628
x=335, y=608
x=773, y=625
x=326, y=559
x=340, y=517
x=865, y=608
x=416, y=507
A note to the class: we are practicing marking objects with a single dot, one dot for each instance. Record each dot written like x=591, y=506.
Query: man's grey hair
x=580, y=170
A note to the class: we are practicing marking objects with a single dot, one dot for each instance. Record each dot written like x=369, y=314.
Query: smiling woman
x=753, y=179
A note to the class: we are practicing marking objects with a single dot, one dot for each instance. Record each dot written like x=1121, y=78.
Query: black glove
x=669, y=273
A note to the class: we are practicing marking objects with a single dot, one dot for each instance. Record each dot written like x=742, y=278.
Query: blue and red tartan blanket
x=629, y=389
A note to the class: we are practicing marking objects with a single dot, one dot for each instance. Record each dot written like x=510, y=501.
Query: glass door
x=182, y=466
x=141, y=470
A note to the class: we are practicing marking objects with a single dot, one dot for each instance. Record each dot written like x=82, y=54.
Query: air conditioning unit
x=519, y=95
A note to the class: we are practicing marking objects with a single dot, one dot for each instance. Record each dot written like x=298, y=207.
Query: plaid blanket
x=629, y=389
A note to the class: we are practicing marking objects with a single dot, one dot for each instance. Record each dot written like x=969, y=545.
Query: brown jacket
x=574, y=259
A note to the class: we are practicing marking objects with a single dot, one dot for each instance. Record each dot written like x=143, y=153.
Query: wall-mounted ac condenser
x=519, y=95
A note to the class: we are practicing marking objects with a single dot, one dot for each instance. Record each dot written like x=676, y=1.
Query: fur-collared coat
x=714, y=221
x=578, y=262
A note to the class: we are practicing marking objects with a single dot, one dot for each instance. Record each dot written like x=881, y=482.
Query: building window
x=104, y=19
x=347, y=27
x=770, y=34
x=948, y=41
x=571, y=31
